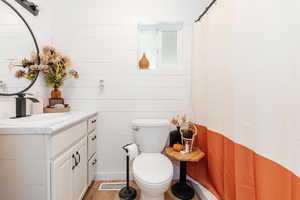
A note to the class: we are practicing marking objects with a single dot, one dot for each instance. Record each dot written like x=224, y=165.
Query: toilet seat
x=152, y=169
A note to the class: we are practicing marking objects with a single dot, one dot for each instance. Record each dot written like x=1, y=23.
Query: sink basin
x=37, y=120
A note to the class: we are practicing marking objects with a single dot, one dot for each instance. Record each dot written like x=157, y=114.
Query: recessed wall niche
x=160, y=44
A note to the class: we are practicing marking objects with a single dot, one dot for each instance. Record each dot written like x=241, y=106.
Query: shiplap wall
x=101, y=39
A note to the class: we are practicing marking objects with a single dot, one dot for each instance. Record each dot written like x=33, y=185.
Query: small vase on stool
x=175, y=137
x=55, y=93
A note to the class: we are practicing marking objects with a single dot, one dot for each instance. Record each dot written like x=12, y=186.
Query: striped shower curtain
x=246, y=99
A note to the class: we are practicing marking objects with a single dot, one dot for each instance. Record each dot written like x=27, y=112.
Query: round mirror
x=17, y=42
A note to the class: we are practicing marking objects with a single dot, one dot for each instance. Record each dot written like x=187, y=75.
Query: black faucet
x=21, y=104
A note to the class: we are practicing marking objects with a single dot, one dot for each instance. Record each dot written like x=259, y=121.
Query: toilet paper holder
x=134, y=128
x=127, y=193
x=124, y=147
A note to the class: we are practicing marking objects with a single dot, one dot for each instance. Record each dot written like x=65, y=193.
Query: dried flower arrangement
x=54, y=66
x=179, y=120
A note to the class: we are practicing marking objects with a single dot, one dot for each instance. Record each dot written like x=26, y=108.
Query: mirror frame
x=36, y=47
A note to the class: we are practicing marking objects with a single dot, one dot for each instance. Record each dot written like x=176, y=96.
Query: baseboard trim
x=111, y=176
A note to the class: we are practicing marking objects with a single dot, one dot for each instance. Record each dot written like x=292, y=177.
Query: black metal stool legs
x=181, y=189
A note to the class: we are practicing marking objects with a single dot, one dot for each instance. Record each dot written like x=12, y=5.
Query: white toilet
x=152, y=171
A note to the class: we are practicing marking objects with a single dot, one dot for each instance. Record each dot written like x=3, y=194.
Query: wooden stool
x=181, y=189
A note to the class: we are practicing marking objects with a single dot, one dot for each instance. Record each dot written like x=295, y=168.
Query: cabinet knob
x=135, y=128
x=74, y=165
x=77, y=154
x=95, y=161
x=101, y=84
x=94, y=138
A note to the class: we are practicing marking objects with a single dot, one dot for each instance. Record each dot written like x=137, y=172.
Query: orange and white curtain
x=246, y=99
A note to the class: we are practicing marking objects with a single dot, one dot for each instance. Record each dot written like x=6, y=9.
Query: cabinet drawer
x=65, y=139
x=92, y=124
x=92, y=169
x=92, y=141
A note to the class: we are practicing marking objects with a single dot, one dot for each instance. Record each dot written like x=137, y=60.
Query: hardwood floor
x=94, y=194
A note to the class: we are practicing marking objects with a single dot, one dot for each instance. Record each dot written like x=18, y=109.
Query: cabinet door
x=62, y=177
x=80, y=172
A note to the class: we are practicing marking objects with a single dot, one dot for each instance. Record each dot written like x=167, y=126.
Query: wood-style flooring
x=94, y=194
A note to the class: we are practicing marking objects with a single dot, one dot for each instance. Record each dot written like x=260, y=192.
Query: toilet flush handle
x=101, y=84
x=2, y=85
x=135, y=128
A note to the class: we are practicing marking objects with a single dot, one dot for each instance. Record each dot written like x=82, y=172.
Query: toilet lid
x=152, y=168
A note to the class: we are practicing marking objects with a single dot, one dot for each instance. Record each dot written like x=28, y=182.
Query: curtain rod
x=206, y=10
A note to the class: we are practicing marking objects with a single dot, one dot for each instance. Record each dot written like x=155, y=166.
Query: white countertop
x=49, y=123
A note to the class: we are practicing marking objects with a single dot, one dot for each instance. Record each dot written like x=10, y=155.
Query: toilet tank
x=151, y=135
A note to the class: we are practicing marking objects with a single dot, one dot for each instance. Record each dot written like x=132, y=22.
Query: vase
x=144, y=62
x=175, y=137
x=55, y=93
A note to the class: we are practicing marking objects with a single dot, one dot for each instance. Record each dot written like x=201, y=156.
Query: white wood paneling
x=101, y=39
x=128, y=105
x=107, y=50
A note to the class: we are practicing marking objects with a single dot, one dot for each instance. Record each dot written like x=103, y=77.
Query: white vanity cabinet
x=48, y=164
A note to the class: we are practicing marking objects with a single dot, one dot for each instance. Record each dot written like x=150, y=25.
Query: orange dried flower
x=45, y=68
x=74, y=73
x=20, y=73
x=179, y=120
x=34, y=67
x=48, y=50
x=174, y=121
x=45, y=60
x=53, y=65
x=66, y=60
x=34, y=58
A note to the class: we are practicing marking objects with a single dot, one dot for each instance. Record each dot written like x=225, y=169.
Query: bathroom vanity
x=48, y=156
